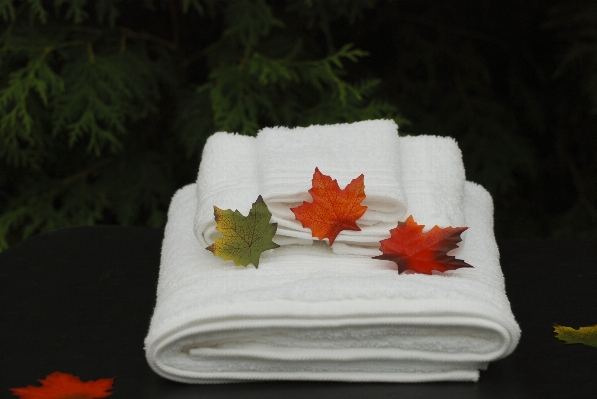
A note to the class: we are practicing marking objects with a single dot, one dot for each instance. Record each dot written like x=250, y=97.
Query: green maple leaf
x=245, y=237
x=584, y=335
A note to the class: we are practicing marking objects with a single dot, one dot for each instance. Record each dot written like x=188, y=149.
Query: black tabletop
x=79, y=301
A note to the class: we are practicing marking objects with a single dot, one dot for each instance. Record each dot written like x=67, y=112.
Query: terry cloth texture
x=279, y=164
x=309, y=314
x=287, y=158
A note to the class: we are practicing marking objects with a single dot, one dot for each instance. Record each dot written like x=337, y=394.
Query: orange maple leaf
x=411, y=249
x=332, y=209
x=65, y=386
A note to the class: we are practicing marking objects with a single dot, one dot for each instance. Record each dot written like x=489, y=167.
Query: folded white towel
x=279, y=164
x=433, y=180
x=309, y=314
x=287, y=158
x=433, y=177
x=227, y=178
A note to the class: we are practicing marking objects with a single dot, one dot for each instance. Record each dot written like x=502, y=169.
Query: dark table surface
x=79, y=300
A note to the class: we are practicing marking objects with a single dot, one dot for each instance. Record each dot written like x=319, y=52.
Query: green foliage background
x=105, y=105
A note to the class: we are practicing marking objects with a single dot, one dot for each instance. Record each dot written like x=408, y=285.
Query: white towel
x=227, y=178
x=309, y=314
x=433, y=177
x=287, y=158
x=433, y=180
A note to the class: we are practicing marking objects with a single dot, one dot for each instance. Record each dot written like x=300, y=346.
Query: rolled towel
x=287, y=158
x=309, y=314
x=227, y=178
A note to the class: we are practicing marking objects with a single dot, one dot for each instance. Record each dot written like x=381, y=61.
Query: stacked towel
x=228, y=178
x=279, y=164
x=433, y=176
x=287, y=158
x=310, y=314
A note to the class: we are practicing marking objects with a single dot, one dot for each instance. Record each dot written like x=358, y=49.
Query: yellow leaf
x=584, y=335
x=245, y=237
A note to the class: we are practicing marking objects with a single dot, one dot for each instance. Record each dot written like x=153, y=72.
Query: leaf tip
x=217, y=213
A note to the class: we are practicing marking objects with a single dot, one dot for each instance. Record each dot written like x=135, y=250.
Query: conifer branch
x=174, y=21
x=45, y=48
x=149, y=37
x=86, y=172
x=204, y=52
x=90, y=53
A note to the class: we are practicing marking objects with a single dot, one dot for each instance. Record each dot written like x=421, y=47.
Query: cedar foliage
x=105, y=105
x=101, y=101
x=516, y=85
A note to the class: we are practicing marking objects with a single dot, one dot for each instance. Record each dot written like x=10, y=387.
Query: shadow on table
x=490, y=385
x=163, y=389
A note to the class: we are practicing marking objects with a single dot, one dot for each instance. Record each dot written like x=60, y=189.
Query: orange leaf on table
x=65, y=386
x=333, y=209
x=411, y=249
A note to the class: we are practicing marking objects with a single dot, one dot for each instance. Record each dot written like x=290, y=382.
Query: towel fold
x=279, y=165
x=310, y=314
x=227, y=178
x=433, y=177
x=287, y=158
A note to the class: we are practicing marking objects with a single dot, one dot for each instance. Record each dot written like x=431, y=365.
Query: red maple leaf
x=411, y=249
x=332, y=209
x=65, y=386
